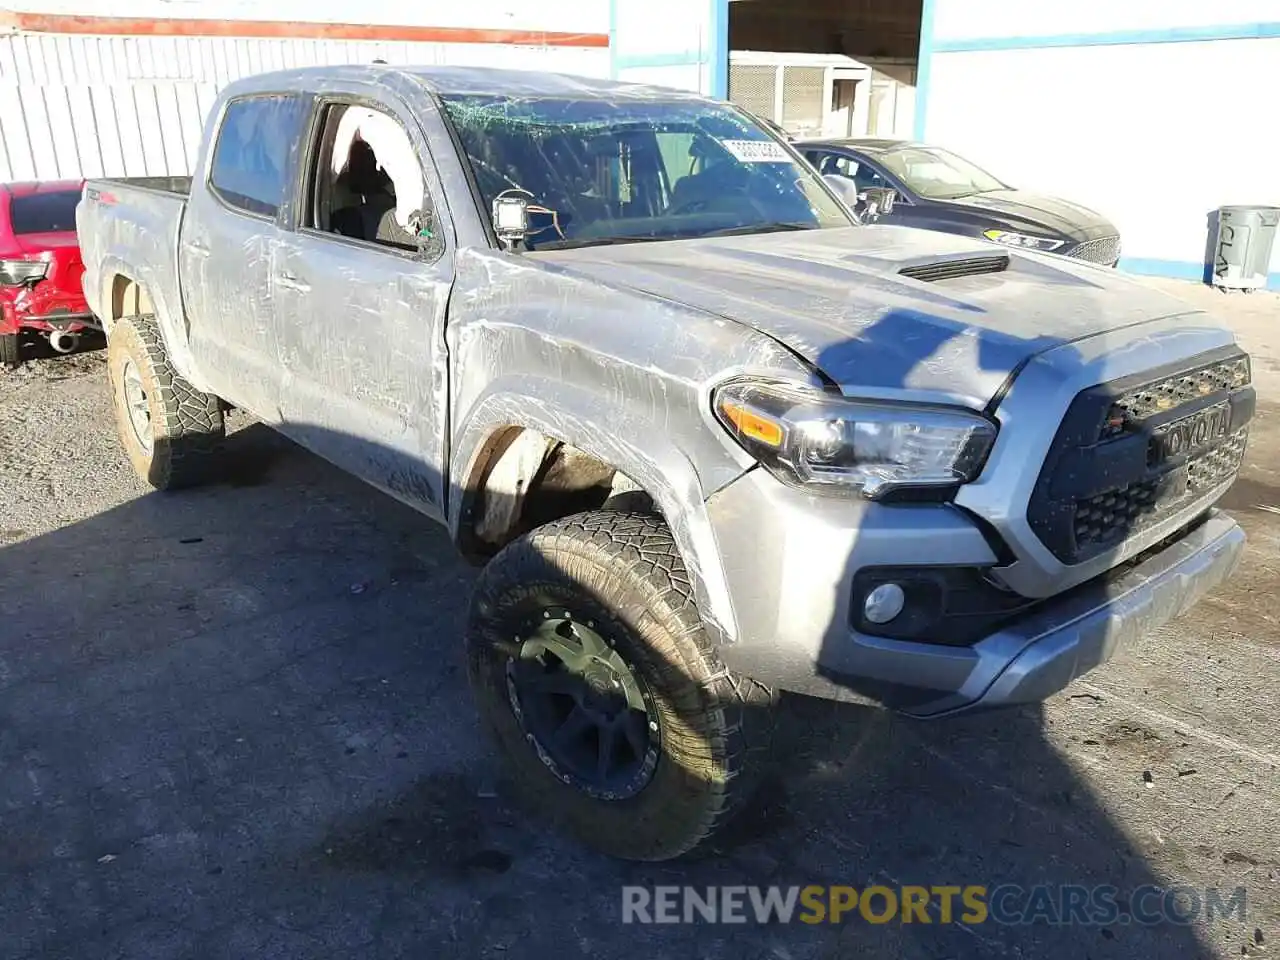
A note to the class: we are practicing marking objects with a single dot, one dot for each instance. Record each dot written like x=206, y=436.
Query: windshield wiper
x=692, y=235
x=593, y=242
x=778, y=227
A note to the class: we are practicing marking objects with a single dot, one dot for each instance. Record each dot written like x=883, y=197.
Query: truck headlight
x=1024, y=240
x=832, y=445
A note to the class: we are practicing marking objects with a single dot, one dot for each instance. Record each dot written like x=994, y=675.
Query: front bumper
x=1068, y=638
x=791, y=581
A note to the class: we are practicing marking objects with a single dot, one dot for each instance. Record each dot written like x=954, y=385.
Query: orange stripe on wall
x=290, y=29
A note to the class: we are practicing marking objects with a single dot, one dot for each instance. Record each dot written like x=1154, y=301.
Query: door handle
x=292, y=282
x=196, y=248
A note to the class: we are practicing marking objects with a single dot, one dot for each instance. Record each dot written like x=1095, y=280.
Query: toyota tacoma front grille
x=1134, y=452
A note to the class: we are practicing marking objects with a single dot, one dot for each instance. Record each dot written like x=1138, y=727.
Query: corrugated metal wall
x=75, y=106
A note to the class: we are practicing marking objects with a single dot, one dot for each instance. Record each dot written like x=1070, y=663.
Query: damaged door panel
x=360, y=299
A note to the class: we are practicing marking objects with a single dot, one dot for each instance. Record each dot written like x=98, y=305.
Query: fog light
x=884, y=603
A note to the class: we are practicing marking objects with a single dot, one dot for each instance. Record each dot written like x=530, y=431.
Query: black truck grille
x=1135, y=451
x=1174, y=392
x=1110, y=517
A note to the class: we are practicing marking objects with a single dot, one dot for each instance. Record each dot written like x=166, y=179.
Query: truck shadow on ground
x=236, y=720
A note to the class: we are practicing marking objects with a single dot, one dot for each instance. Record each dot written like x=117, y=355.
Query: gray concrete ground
x=234, y=723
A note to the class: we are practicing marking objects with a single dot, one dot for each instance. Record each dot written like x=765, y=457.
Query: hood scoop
x=955, y=269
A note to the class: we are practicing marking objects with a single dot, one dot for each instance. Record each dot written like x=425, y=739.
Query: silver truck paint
x=404, y=370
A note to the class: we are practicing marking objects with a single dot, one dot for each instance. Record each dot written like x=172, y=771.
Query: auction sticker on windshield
x=756, y=151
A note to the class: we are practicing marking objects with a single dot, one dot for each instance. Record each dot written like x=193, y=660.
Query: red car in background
x=40, y=267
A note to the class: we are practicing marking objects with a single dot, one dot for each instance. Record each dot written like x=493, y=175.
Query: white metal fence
x=76, y=106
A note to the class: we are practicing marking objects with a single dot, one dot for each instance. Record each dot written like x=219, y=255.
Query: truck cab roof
x=462, y=80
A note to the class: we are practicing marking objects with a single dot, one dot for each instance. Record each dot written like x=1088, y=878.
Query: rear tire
x=617, y=576
x=10, y=350
x=170, y=430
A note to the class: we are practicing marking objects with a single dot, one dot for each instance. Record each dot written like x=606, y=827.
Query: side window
x=250, y=168
x=366, y=180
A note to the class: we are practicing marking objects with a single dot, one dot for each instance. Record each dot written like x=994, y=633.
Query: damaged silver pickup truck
x=712, y=437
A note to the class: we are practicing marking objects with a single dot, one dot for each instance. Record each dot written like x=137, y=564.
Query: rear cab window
x=49, y=212
x=252, y=166
x=676, y=150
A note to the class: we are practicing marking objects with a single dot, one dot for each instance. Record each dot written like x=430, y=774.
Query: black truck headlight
x=829, y=444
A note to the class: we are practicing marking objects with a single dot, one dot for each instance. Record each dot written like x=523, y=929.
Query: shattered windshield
x=599, y=171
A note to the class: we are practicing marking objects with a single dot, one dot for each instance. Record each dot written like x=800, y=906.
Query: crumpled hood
x=836, y=298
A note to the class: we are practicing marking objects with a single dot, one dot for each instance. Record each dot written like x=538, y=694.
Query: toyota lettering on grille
x=1189, y=434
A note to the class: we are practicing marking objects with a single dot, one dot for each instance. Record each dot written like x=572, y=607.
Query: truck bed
x=171, y=185
x=129, y=226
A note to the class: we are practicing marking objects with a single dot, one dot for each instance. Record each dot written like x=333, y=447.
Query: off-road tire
x=186, y=424
x=10, y=350
x=623, y=570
